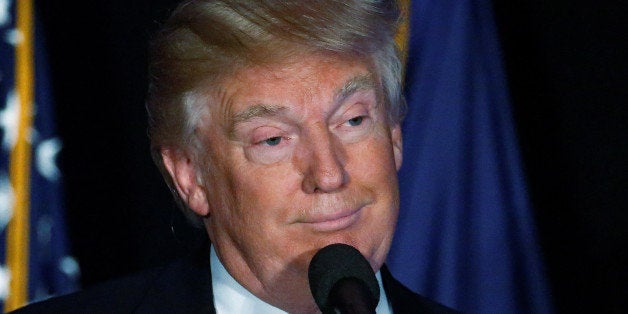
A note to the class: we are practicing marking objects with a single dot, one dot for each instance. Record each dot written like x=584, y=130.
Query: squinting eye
x=356, y=121
x=273, y=141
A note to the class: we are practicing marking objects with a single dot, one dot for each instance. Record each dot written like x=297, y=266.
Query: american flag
x=34, y=260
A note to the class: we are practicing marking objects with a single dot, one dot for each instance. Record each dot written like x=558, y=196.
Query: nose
x=325, y=169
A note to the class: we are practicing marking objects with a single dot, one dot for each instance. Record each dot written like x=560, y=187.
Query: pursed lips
x=334, y=221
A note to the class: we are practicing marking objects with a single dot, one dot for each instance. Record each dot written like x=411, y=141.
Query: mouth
x=334, y=222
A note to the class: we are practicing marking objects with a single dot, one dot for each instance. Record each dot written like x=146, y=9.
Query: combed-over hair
x=206, y=41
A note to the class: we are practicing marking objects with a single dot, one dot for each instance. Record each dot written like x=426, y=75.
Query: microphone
x=342, y=281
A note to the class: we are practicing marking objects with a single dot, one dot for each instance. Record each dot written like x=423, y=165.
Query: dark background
x=568, y=75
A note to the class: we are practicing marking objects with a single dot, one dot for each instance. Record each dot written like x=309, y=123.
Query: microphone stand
x=351, y=296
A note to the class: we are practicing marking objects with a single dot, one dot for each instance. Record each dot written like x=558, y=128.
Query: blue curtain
x=466, y=235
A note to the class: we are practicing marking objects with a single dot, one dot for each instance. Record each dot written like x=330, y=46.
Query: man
x=276, y=125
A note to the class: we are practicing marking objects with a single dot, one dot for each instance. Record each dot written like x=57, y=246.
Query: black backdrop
x=568, y=75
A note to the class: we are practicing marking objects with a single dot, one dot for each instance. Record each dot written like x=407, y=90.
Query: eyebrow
x=256, y=111
x=353, y=85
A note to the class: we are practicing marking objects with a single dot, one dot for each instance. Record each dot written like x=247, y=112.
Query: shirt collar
x=231, y=297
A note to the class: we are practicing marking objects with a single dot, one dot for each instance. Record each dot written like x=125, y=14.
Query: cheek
x=220, y=182
x=375, y=160
x=264, y=192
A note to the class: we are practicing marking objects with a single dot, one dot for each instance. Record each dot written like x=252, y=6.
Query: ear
x=182, y=170
x=397, y=142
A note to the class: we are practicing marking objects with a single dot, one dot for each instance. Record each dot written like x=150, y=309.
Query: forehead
x=300, y=83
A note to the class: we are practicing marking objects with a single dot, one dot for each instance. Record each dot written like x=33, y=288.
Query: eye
x=269, y=143
x=355, y=121
x=273, y=141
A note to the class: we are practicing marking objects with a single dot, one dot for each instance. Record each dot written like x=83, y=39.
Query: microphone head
x=334, y=263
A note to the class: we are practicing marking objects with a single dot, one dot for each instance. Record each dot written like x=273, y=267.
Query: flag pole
x=20, y=161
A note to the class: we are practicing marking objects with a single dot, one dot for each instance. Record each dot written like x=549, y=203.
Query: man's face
x=297, y=156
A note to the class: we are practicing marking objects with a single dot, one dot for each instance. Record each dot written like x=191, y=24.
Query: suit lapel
x=404, y=300
x=182, y=287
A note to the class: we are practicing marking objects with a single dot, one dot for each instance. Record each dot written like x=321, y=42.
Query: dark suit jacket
x=185, y=287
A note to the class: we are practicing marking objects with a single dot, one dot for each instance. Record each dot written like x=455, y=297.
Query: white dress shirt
x=231, y=297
